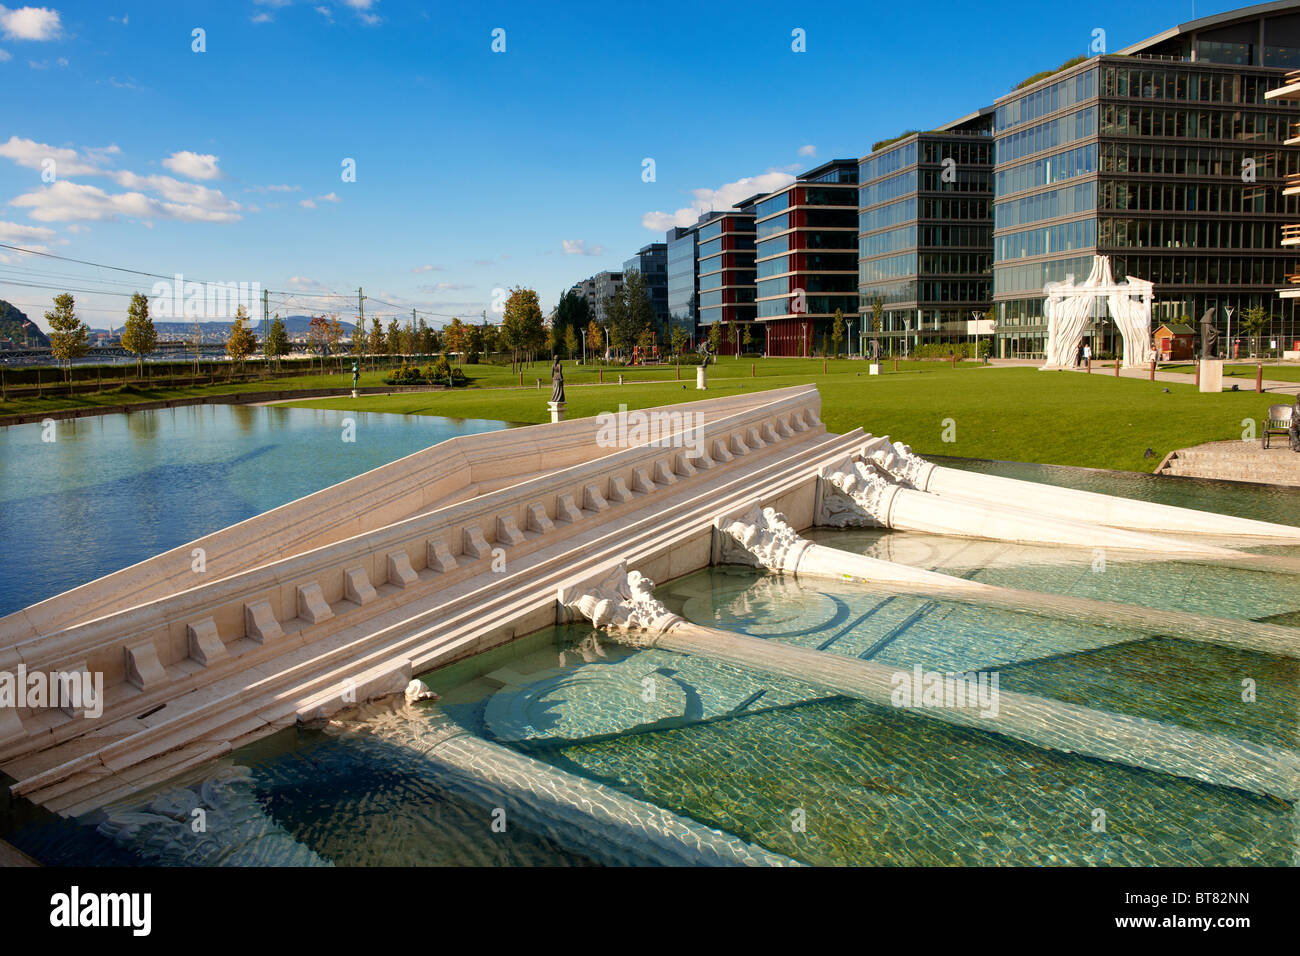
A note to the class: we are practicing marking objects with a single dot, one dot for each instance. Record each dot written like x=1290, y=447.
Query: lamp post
x=850, y=338
x=978, y=316
x=1229, y=310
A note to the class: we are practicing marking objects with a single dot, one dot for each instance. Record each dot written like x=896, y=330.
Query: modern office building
x=652, y=262
x=725, y=258
x=601, y=286
x=925, y=236
x=805, y=265
x=683, y=280
x=1289, y=329
x=1169, y=157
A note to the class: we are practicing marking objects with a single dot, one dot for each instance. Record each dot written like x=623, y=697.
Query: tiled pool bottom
x=755, y=756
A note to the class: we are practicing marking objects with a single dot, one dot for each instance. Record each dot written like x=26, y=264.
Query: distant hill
x=16, y=326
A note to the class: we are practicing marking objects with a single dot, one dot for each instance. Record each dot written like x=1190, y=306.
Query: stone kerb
x=324, y=573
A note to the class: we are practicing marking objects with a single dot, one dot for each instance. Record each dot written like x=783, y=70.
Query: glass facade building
x=925, y=227
x=683, y=281
x=652, y=262
x=805, y=266
x=725, y=257
x=1169, y=158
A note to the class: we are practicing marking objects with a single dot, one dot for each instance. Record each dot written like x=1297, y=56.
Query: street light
x=1228, y=350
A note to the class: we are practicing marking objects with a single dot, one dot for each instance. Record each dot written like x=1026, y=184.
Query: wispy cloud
x=578, y=247
x=809, y=151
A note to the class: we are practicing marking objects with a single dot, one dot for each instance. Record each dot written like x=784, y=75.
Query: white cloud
x=193, y=165
x=810, y=150
x=723, y=198
x=68, y=162
x=262, y=18
x=275, y=188
x=329, y=197
x=578, y=247
x=429, y=269
x=303, y=283
x=15, y=232
x=30, y=23
x=123, y=19
x=307, y=203
x=177, y=191
x=66, y=201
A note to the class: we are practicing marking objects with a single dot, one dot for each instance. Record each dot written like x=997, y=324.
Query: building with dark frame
x=725, y=257
x=652, y=262
x=805, y=267
x=925, y=235
x=1168, y=157
x=683, y=280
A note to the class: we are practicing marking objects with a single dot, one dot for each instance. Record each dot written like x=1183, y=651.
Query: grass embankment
x=1017, y=414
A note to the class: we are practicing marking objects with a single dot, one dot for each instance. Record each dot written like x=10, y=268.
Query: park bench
x=1278, y=422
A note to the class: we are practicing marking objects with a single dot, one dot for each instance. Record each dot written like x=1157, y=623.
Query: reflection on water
x=113, y=490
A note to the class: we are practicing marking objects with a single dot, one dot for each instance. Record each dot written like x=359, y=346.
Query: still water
x=113, y=490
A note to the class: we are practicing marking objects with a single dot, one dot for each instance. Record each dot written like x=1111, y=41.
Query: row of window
x=1080, y=161
x=888, y=162
x=1186, y=85
x=824, y=196
x=718, y=297
x=1049, y=135
x=1033, y=277
x=1238, y=125
x=1149, y=158
x=964, y=152
x=1049, y=205
x=888, y=241
x=816, y=305
x=1046, y=240
x=1228, y=234
x=890, y=267
x=814, y=282
x=1194, y=197
x=883, y=217
x=1206, y=270
x=941, y=207
x=973, y=264
x=811, y=239
x=772, y=204
x=1043, y=102
x=884, y=190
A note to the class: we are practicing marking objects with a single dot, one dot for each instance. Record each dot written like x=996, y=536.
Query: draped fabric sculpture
x=1070, y=305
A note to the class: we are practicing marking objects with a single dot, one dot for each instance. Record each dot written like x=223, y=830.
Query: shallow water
x=113, y=490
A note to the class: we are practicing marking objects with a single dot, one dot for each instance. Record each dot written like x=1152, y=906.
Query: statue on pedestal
x=557, y=382
x=1209, y=335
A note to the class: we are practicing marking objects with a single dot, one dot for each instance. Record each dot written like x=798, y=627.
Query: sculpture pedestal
x=557, y=411
x=354, y=393
x=873, y=368
x=1211, y=375
x=701, y=378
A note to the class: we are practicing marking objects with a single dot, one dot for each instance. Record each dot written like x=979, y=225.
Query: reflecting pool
x=112, y=490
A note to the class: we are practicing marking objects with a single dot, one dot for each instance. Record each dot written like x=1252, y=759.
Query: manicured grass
x=1018, y=414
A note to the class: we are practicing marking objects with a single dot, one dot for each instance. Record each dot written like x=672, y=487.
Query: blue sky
x=475, y=170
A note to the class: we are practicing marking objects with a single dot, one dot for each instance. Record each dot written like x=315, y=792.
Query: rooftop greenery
x=1031, y=80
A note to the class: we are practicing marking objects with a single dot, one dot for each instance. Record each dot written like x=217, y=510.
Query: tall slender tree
x=139, y=337
x=69, y=336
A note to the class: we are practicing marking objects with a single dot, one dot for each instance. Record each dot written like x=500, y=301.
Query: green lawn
x=1018, y=414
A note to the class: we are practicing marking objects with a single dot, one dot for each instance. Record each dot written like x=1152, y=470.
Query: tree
x=408, y=339
x=375, y=342
x=241, y=342
x=394, y=338
x=69, y=336
x=423, y=337
x=679, y=339
x=333, y=334
x=630, y=313
x=455, y=339
x=318, y=337
x=837, y=331
x=277, y=340
x=595, y=337
x=522, y=327
x=715, y=337
x=1253, y=321
x=570, y=341
x=473, y=343
x=139, y=337
x=572, y=312
x=748, y=338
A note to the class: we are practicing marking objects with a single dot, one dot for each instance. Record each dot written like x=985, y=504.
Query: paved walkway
x=1181, y=378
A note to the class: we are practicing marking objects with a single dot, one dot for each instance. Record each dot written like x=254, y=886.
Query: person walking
x=1087, y=357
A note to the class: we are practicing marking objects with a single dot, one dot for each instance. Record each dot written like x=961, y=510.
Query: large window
x=772, y=204
x=1047, y=240
x=775, y=224
x=1049, y=135
x=1080, y=161
x=1048, y=205
x=1047, y=100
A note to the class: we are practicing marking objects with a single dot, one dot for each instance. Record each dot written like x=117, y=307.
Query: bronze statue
x=1209, y=335
x=557, y=382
